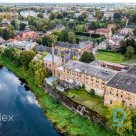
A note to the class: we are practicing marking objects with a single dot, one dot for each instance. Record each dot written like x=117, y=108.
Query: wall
x=80, y=109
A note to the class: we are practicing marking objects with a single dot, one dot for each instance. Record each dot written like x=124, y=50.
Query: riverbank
x=66, y=121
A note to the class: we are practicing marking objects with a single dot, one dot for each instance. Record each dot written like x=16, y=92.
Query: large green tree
x=130, y=52
x=87, y=57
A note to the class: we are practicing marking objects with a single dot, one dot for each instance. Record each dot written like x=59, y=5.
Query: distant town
x=82, y=55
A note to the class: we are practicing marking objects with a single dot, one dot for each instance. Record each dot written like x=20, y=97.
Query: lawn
x=114, y=57
x=110, y=57
x=91, y=101
x=132, y=60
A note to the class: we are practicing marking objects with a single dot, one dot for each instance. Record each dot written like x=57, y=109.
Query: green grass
x=110, y=57
x=65, y=120
x=132, y=60
x=93, y=102
x=114, y=57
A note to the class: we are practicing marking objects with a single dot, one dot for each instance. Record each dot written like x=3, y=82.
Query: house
x=80, y=73
x=59, y=27
x=49, y=63
x=5, y=22
x=126, y=31
x=81, y=47
x=104, y=31
x=27, y=35
x=22, y=45
x=109, y=14
x=103, y=45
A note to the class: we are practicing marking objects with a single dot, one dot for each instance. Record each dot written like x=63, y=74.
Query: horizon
x=68, y=1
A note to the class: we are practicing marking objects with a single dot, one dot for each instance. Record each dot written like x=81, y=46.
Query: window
x=110, y=101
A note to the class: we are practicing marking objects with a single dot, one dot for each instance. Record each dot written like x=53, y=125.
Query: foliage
x=130, y=52
x=99, y=15
x=127, y=122
x=15, y=24
x=63, y=36
x=126, y=43
x=87, y=57
x=7, y=33
x=22, y=26
x=71, y=37
x=40, y=15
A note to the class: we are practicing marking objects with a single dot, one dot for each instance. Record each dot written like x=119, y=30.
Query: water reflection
x=29, y=119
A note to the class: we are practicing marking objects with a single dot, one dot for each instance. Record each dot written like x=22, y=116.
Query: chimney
x=53, y=67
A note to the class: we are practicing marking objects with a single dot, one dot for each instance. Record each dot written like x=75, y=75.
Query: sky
x=67, y=1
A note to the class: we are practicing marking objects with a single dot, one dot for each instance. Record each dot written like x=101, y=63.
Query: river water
x=20, y=113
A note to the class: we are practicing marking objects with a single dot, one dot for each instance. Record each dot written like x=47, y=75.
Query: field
x=110, y=57
x=114, y=57
x=91, y=101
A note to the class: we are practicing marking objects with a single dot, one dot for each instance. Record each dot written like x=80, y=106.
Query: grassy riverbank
x=65, y=120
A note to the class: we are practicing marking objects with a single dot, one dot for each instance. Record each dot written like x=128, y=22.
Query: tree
x=82, y=17
x=22, y=26
x=71, y=37
x=63, y=36
x=99, y=15
x=6, y=34
x=126, y=122
x=26, y=57
x=123, y=47
x=38, y=70
x=130, y=52
x=87, y=57
x=15, y=24
x=80, y=28
x=40, y=15
x=134, y=31
x=117, y=16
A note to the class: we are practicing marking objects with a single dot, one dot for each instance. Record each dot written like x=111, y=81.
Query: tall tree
x=71, y=37
x=130, y=52
x=22, y=26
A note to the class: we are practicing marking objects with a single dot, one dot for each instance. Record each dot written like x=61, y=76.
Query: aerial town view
x=67, y=68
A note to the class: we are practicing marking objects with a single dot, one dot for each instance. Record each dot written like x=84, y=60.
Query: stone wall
x=80, y=109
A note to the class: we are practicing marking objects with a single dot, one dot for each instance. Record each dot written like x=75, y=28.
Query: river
x=20, y=113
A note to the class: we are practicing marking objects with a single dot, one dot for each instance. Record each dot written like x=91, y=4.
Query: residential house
x=126, y=31
x=22, y=45
x=104, y=31
x=81, y=47
x=27, y=35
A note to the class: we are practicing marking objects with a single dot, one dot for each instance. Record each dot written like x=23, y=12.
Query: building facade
x=122, y=88
x=81, y=73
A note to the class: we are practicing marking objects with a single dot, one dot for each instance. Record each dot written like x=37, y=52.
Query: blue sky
x=66, y=1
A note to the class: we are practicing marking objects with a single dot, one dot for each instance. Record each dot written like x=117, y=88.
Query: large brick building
x=81, y=73
x=122, y=88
